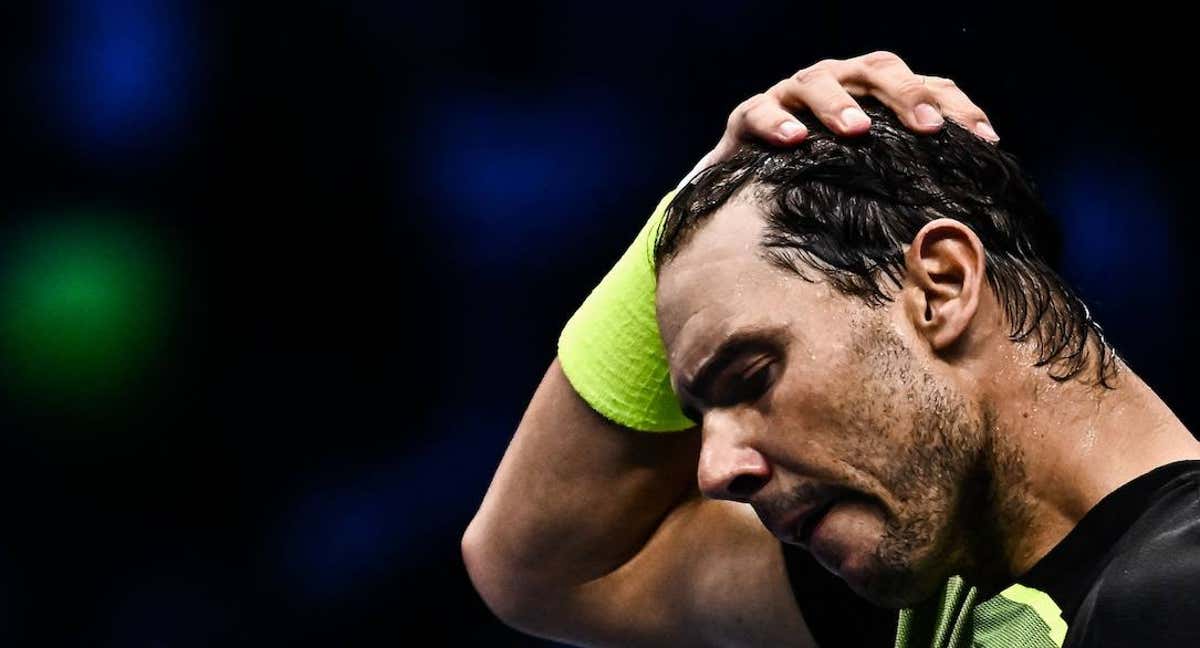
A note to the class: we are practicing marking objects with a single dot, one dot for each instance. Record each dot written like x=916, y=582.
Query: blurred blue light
x=1116, y=230
x=514, y=176
x=350, y=534
x=119, y=72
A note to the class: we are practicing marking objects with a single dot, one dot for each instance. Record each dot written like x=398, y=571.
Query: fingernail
x=928, y=116
x=986, y=132
x=854, y=118
x=790, y=128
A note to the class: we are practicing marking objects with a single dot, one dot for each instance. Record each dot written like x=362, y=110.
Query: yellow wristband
x=611, y=350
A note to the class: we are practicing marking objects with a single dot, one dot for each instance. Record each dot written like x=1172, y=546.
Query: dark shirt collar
x=1068, y=571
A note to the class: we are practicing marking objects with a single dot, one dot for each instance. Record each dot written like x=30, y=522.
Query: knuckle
x=941, y=83
x=781, y=87
x=823, y=64
x=739, y=113
x=811, y=73
x=911, y=90
x=755, y=101
x=880, y=59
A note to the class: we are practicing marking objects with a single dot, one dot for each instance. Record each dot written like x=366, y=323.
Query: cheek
x=816, y=382
x=823, y=425
x=842, y=407
x=803, y=403
x=849, y=421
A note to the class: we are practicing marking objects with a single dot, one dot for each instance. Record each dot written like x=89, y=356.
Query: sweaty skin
x=940, y=446
x=593, y=533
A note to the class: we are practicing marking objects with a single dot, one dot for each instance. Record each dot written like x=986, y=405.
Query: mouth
x=797, y=527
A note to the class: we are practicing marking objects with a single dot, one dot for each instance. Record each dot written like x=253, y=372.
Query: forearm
x=594, y=533
x=575, y=495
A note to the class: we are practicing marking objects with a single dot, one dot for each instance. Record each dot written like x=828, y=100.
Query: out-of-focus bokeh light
x=83, y=308
x=357, y=528
x=514, y=176
x=119, y=73
x=1116, y=230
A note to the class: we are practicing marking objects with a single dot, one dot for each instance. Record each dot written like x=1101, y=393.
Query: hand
x=828, y=88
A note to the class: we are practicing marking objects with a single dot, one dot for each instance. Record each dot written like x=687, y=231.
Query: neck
x=1055, y=450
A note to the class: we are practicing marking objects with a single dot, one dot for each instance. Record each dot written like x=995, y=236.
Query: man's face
x=827, y=416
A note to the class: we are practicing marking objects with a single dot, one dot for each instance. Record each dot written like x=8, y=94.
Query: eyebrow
x=730, y=350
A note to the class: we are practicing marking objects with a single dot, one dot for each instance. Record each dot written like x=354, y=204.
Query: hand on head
x=827, y=89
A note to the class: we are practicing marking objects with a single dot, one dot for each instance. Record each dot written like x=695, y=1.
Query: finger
x=958, y=107
x=816, y=89
x=886, y=77
x=766, y=119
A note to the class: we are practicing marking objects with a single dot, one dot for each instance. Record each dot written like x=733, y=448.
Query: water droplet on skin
x=1089, y=438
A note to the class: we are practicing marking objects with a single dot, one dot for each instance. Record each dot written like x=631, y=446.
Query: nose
x=729, y=468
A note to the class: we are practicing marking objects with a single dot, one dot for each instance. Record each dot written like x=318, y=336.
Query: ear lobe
x=945, y=272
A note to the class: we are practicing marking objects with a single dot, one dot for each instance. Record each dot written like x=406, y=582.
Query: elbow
x=485, y=572
x=514, y=599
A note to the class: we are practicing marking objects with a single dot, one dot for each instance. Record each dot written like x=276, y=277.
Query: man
x=888, y=372
x=885, y=373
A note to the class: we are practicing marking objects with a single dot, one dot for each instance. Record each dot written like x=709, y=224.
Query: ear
x=944, y=268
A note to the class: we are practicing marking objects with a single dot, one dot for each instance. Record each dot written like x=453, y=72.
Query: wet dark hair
x=844, y=207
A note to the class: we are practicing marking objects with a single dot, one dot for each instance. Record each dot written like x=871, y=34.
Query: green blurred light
x=82, y=309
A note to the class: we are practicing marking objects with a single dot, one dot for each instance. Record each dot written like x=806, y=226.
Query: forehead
x=720, y=285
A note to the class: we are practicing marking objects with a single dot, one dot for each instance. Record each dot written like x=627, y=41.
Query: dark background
x=277, y=281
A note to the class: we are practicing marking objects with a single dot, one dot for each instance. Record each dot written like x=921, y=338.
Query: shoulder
x=1150, y=590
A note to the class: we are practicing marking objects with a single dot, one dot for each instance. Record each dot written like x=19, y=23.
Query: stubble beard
x=944, y=480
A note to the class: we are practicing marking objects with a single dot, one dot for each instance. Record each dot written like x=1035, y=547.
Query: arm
x=589, y=534
x=594, y=533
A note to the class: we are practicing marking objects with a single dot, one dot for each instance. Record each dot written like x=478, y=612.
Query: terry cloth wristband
x=611, y=350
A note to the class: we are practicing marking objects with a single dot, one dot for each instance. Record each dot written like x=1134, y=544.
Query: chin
x=888, y=569
x=906, y=582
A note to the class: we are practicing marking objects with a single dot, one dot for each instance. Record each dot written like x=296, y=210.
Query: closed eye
x=755, y=384
x=742, y=369
x=750, y=385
